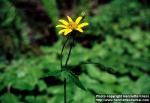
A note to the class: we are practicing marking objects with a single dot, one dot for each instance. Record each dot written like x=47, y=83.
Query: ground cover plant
x=111, y=56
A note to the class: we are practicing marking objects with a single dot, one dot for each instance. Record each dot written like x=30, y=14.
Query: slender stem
x=65, y=80
x=71, y=45
x=65, y=90
x=65, y=83
x=62, y=53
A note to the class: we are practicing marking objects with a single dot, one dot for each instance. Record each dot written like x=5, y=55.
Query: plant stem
x=62, y=53
x=65, y=80
x=65, y=90
x=71, y=45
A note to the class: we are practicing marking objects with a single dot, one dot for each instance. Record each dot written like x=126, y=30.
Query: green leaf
x=55, y=73
x=9, y=98
x=22, y=75
x=100, y=75
x=72, y=77
x=143, y=84
x=55, y=90
x=30, y=99
x=37, y=99
x=79, y=54
x=10, y=14
x=41, y=85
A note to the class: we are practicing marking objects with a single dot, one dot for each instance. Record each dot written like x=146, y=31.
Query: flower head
x=70, y=25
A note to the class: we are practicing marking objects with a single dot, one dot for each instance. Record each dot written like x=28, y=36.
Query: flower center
x=72, y=25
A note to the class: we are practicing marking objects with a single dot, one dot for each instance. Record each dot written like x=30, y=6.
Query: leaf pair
x=69, y=76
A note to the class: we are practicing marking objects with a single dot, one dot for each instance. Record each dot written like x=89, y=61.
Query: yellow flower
x=71, y=25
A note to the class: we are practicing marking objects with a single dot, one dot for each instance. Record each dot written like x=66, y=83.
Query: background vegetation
x=117, y=41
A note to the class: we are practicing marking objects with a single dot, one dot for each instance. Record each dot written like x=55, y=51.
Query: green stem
x=65, y=90
x=65, y=80
x=71, y=45
x=62, y=53
x=61, y=63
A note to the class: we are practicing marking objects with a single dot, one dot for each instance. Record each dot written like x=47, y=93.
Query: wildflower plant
x=69, y=30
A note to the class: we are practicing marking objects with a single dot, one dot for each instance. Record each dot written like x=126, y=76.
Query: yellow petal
x=79, y=29
x=61, y=31
x=67, y=31
x=63, y=22
x=78, y=19
x=61, y=26
x=82, y=25
x=69, y=19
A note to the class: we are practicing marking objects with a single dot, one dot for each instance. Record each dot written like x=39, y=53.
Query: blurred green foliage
x=112, y=56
